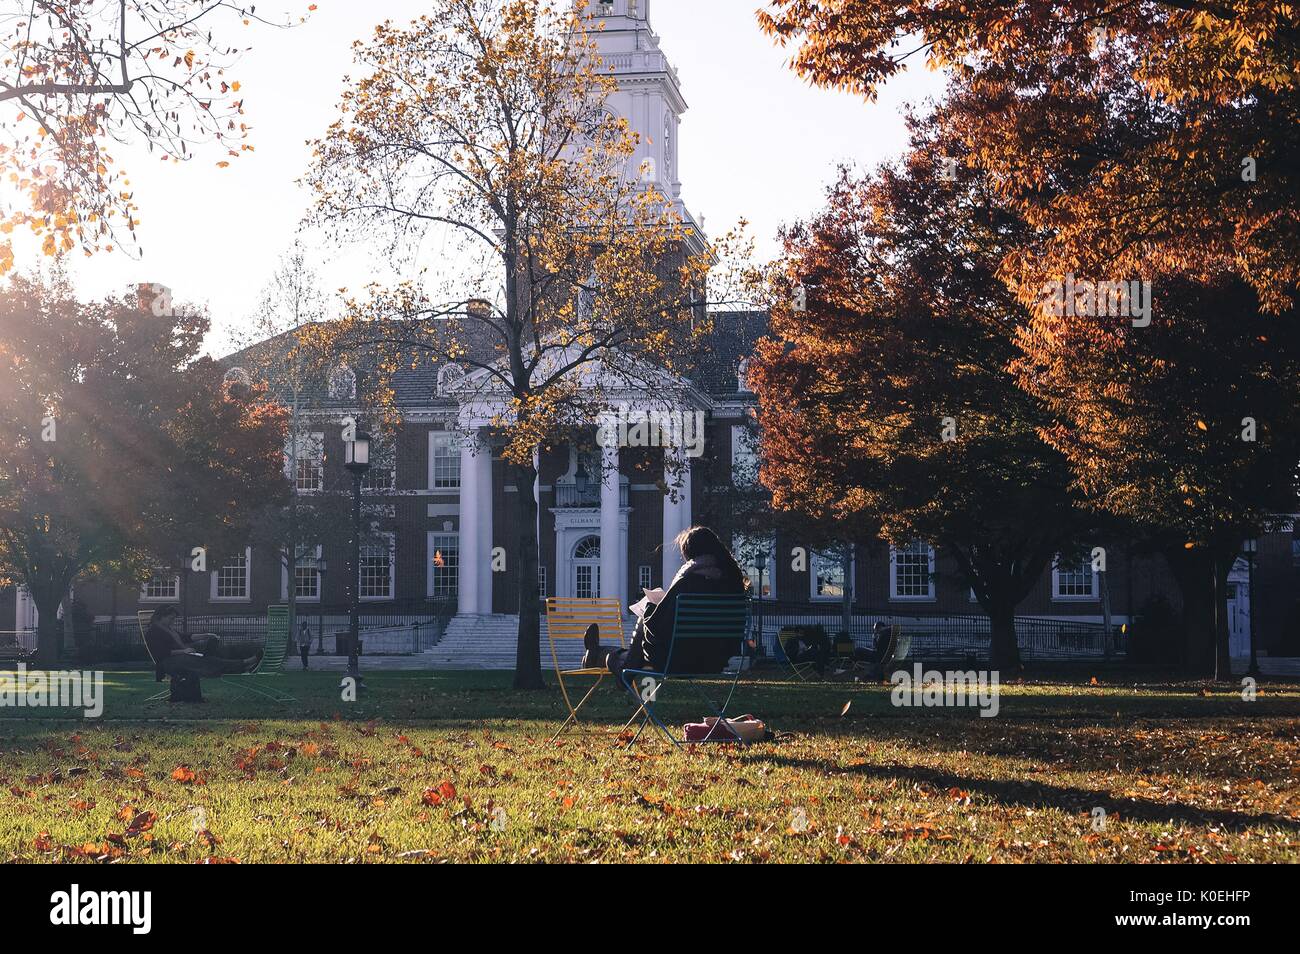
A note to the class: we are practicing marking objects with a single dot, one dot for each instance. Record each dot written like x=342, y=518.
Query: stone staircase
x=488, y=642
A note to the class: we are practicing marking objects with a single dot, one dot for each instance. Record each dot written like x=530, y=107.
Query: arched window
x=343, y=383
x=588, y=548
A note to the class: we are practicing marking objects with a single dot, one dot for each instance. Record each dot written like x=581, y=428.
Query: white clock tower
x=649, y=94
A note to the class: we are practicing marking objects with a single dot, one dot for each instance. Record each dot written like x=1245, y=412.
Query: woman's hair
x=695, y=542
x=162, y=614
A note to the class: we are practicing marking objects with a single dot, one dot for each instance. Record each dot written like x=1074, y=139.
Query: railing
x=568, y=495
x=936, y=636
x=386, y=630
x=17, y=644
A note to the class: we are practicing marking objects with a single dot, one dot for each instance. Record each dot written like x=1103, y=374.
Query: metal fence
x=384, y=631
x=945, y=636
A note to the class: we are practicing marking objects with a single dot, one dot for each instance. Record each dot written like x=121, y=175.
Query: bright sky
x=757, y=142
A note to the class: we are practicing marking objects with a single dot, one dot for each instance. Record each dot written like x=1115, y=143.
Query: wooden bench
x=569, y=618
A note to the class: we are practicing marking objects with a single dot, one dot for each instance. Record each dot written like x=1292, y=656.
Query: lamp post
x=760, y=564
x=1249, y=548
x=321, y=568
x=581, y=480
x=356, y=458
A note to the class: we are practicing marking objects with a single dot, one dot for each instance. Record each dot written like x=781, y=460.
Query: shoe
x=597, y=658
x=591, y=638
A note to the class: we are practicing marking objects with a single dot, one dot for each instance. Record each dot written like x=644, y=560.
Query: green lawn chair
x=272, y=663
x=698, y=616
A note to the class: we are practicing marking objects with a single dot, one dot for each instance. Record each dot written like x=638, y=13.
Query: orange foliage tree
x=1202, y=178
x=888, y=401
x=77, y=77
x=124, y=450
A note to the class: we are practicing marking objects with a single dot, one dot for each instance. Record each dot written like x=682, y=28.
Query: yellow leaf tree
x=564, y=275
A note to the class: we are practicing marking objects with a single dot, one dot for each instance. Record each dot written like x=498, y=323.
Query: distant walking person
x=304, y=642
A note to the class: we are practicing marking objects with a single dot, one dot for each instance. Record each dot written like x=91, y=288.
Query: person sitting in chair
x=709, y=568
x=174, y=654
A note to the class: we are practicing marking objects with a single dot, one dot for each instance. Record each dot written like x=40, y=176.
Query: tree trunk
x=846, y=607
x=1004, y=652
x=1202, y=577
x=49, y=628
x=528, y=657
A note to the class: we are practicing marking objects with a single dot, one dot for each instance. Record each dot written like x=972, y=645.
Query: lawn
x=457, y=766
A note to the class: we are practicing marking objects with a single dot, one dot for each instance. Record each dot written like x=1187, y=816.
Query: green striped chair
x=272, y=664
x=697, y=616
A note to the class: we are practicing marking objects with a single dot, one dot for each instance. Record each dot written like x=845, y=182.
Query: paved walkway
x=371, y=663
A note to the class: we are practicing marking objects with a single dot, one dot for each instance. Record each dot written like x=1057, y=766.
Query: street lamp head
x=356, y=453
x=580, y=479
x=322, y=566
x=760, y=561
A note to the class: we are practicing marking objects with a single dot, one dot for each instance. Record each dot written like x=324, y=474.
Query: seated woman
x=176, y=655
x=709, y=568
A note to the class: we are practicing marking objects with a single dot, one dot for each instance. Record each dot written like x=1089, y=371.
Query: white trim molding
x=913, y=549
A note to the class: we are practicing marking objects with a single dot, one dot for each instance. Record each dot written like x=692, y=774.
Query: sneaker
x=596, y=658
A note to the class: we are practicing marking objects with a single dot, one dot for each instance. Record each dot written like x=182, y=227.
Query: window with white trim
x=747, y=550
x=383, y=466
x=308, y=469
x=444, y=460
x=541, y=582
x=233, y=579
x=444, y=565
x=643, y=577
x=162, y=587
x=376, y=570
x=1073, y=581
x=911, y=571
x=306, y=575
x=826, y=573
x=744, y=456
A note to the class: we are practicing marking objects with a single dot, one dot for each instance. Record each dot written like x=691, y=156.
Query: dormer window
x=449, y=376
x=236, y=377
x=742, y=372
x=343, y=383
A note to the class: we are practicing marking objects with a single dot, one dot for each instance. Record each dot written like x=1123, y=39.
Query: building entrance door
x=586, y=568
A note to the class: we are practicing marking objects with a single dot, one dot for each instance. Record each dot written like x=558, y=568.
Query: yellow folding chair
x=568, y=618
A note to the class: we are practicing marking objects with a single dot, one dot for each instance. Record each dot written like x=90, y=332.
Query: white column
x=470, y=556
x=677, y=513
x=483, y=477
x=610, y=583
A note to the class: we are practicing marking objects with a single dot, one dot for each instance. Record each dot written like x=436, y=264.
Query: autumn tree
x=1188, y=427
x=566, y=273
x=884, y=389
x=1202, y=175
x=79, y=78
x=124, y=449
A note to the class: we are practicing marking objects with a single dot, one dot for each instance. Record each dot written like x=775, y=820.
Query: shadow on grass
x=1039, y=795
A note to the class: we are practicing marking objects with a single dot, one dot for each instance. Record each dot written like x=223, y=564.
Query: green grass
x=457, y=766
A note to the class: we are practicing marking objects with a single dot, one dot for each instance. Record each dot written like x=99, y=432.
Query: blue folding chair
x=697, y=616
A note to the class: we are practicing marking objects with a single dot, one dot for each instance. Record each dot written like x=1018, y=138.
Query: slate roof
x=712, y=368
